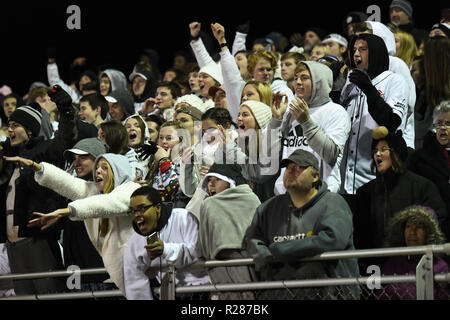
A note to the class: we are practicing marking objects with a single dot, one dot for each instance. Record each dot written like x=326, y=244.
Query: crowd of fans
x=277, y=150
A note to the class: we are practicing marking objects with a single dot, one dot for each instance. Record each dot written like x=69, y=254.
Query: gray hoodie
x=117, y=79
x=283, y=233
x=324, y=134
x=120, y=166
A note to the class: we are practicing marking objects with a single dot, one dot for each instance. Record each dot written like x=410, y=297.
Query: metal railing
x=424, y=279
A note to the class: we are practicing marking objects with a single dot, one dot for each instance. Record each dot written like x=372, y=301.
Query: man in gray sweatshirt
x=306, y=221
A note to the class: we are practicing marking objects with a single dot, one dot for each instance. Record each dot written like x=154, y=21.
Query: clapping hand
x=299, y=110
x=278, y=105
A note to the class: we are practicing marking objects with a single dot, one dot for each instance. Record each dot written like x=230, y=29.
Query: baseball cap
x=134, y=74
x=302, y=158
x=92, y=146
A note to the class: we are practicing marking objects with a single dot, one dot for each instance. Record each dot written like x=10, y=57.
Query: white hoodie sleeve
x=137, y=283
x=201, y=53
x=183, y=251
x=232, y=82
x=64, y=183
x=115, y=203
x=55, y=79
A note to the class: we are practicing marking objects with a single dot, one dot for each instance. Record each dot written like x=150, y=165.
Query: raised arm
x=200, y=52
x=232, y=80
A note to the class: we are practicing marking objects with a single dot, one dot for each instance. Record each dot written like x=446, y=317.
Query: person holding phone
x=163, y=236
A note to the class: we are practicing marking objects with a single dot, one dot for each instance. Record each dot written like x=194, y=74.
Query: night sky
x=116, y=33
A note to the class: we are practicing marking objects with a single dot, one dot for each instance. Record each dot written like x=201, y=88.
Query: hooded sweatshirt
x=140, y=165
x=398, y=66
x=90, y=206
x=149, y=90
x=117, y=79
x=125, y=99
x=178, y=229
x=387, y=108
x=283, y=233
x=324, y=134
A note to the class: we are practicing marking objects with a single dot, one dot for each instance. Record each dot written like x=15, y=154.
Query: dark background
x=115, y=32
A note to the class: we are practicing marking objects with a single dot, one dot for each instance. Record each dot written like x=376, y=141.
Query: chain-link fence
x=424, y=284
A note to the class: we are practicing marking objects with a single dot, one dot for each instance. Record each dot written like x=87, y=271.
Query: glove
x=244, y=28
x=146, y=150
x=62, y=99
x=361, y=79
x=336, y=68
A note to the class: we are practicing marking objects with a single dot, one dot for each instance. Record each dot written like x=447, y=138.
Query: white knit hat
x=192, y=100
x=214, y=70
x=261, y=111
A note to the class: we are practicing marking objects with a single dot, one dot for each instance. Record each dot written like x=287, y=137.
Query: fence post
x=167, y=290
x=425, y=277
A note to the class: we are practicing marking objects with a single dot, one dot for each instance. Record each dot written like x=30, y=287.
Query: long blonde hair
x=408, y=49
x=104, y=223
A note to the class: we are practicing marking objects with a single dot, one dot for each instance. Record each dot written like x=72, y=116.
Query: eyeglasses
x=440, y=124
x=382, y=150
x=140, y=210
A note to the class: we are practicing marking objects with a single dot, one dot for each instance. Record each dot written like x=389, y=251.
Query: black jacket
x=431, y=163
x=377, y=201
x=30, y=196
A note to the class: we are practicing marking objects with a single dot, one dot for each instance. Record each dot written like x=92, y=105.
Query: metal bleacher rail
x=424, y=279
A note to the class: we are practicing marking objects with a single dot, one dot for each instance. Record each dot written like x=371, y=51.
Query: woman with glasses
x=433, y=160
x=103, y=204
x=393, y=189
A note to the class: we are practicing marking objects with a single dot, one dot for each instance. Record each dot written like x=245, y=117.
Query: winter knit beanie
x=28, y=117
x=261, y=111
x=403, y=5
x=192, y=100
x=394, y=140
x=213, y=69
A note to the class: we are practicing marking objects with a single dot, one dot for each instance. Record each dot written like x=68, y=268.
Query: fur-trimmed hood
x=419, y=215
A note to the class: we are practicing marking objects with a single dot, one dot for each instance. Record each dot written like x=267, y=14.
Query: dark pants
x=34, y=255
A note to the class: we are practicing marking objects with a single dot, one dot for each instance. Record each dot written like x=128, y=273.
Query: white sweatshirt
x=180, y=238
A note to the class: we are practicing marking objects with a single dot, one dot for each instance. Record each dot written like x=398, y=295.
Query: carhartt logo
x=292, y=237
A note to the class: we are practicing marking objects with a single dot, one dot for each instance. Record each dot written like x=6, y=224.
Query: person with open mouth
x=393, y=189
x=163, y=235
x=373, y=96
x=432, y=160
x=103, y=204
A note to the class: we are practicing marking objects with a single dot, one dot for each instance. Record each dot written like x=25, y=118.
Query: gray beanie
x=403, y=5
